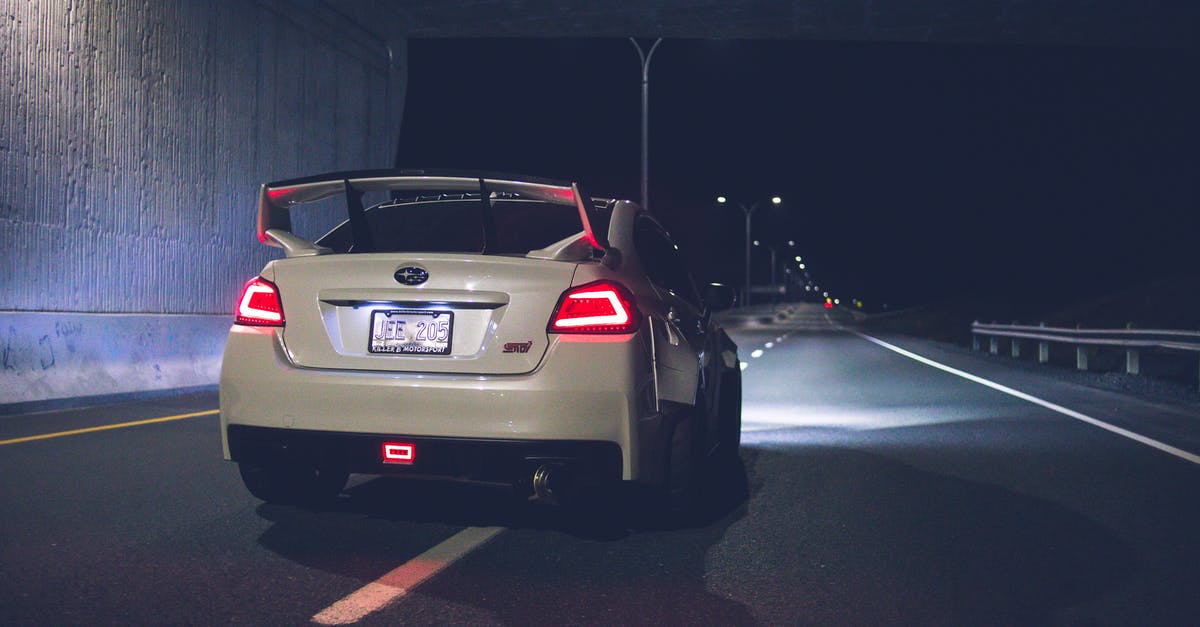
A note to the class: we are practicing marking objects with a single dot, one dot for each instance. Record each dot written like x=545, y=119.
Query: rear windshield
x=457, y=226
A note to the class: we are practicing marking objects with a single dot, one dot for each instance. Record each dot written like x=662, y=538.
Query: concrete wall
x=53, y=355
x=133, y=137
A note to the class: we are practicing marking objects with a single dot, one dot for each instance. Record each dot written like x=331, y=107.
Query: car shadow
x=569, y=555
x=594, y=515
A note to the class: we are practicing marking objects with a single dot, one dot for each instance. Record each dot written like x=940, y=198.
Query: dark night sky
x=911, y=172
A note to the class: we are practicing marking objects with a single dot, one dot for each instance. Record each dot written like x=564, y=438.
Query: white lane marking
x=395, y=584
x=1136, y=437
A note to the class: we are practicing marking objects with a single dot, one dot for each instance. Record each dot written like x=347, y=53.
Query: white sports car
x=475, y=327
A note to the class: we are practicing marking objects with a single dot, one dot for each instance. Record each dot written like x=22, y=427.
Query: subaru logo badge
x=412, y=275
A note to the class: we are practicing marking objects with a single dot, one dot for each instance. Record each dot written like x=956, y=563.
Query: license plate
x=404, y=332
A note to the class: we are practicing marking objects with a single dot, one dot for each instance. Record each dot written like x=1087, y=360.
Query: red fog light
x=398, y=453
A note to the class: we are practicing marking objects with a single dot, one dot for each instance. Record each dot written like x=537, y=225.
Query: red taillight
x=260, y=305
x=600, y=307
x=399, y=453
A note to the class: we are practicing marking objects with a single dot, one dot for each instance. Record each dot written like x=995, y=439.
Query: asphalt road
x=876, y=489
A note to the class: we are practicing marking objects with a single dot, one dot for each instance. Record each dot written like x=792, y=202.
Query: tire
x=684, y=464
x=292, y=484
x=729, y=417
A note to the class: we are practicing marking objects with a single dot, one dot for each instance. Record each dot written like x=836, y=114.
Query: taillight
x=260, y=305
x=600, y=307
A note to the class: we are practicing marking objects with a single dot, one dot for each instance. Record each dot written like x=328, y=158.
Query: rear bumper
x=584, y=392
x=491, y=461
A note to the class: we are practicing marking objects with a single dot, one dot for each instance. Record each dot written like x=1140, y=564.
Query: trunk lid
x=492, y=311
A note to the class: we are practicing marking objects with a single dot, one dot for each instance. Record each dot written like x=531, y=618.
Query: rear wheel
x=729, y=417
x=686, y=459
x=292, y=484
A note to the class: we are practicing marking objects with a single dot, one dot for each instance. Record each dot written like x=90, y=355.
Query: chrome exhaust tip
x=550, y=483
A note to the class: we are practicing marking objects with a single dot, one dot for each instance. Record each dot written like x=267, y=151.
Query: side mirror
x=719, y=297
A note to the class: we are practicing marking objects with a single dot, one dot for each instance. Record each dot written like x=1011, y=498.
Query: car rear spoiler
x=277, y=199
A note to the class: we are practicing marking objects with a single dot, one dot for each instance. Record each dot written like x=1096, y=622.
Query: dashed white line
x=395, y=584
x=1136, y=437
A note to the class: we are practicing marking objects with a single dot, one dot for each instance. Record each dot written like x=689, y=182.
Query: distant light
x=770, y=345
x=825, y=294
x=756, y=242
x=775, y=200
x=801, y=266
x=837, y=301
x=720, y=199
x=808, y=288
x=757, y=353
x=791, y=242
x=799, y=259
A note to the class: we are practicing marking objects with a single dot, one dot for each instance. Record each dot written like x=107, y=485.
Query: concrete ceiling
x=1136, y=23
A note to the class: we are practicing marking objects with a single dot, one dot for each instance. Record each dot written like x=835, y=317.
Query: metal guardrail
x=1134, y=341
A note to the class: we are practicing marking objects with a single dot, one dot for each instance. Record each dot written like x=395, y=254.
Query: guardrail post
x=1016, y=345
x=995, y=345
x=974, y=337
x=1043, y=348
x=1131, y=357
x=1080, y=354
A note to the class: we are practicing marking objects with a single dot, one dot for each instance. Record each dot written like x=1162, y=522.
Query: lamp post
x=749, y=211
x=774, y=248
x=645, y=58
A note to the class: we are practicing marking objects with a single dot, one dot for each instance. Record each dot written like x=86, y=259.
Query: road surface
x=884, y=480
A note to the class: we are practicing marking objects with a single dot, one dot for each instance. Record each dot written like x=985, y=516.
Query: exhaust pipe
x=550, y=483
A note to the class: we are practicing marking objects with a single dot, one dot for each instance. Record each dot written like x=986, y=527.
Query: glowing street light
x=749, y=211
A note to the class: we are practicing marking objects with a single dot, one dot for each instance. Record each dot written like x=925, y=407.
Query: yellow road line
x=148, y=421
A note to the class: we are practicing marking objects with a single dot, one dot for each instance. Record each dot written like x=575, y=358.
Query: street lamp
x=645, y=57
x=749, y=211
x=774, y=248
